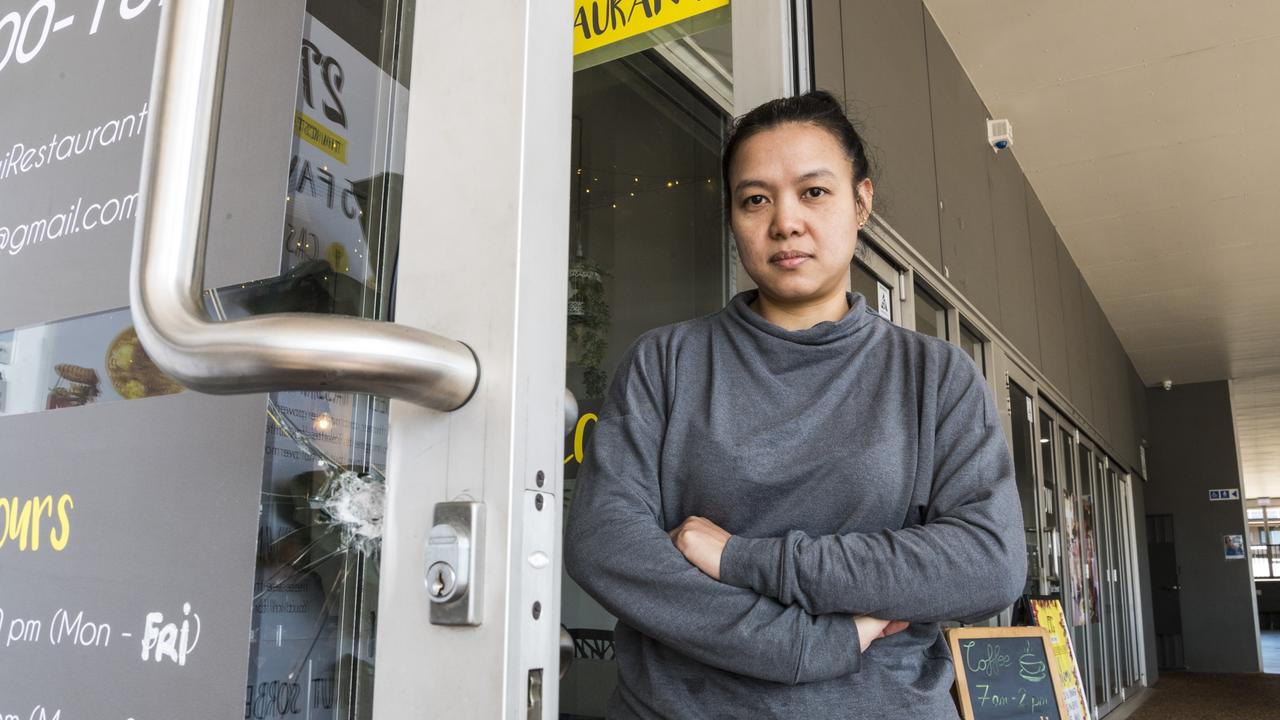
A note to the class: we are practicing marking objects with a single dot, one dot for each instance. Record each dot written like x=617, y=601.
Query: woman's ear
x=866, y=195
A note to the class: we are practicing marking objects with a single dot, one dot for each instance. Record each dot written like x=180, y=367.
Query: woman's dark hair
x=816, y=107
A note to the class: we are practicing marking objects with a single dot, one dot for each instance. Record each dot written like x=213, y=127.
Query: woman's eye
x=754, y=200
x=815, y=192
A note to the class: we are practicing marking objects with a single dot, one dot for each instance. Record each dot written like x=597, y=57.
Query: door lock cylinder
x=451, y=563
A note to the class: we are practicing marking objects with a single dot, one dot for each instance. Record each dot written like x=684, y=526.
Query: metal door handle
x=288, y=351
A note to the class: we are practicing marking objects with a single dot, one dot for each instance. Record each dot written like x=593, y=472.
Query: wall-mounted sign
x=597, y=23
x=1233, y=547
x=1224, y=494
x=884, y=301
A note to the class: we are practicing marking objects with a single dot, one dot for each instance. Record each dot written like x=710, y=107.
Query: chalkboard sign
x=1006, y=673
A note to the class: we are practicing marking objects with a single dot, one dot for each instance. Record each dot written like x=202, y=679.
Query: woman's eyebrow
x=819, y=173
x=812, y=174
x=744, y=184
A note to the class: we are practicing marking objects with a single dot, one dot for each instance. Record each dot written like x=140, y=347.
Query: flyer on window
x=1049, y=615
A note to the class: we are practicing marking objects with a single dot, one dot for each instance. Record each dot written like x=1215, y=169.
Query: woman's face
x=793, y=213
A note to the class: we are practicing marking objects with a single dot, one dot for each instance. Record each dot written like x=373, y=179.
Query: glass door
x=1052, y=515
x=312, y=645
x=1098, y=571
x=1024, y=446
x=1073, y=593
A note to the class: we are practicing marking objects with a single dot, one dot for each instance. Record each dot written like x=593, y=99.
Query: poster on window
x=1048, y=614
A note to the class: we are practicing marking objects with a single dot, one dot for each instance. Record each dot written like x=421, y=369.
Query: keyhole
x=441, y=582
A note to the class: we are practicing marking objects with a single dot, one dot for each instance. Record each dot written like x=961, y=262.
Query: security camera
x=1167, y=384
x=999, y=134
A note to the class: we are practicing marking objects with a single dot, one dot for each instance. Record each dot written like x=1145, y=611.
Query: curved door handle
x=288, y=351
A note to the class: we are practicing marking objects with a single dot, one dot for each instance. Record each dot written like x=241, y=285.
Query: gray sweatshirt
x=861, y=469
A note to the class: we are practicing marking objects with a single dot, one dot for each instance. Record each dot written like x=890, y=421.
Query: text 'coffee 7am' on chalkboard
x=1006, y=673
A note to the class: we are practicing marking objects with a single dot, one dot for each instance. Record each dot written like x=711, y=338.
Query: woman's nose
x=787, y=219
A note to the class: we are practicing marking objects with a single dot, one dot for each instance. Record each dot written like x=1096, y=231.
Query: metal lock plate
x=451, y=565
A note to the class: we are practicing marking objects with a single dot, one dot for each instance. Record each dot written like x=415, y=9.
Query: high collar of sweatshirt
x=824, y=333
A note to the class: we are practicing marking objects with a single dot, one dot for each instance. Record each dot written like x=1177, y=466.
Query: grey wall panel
x=1118, y=400
x=828, y=47
x=960, y=151
x=1014, y=271
x=1138, y=405
x=1048, y=291
x=887, y=92
x=1096, y=331
x=1073, y=325
x=1193, y=450
x=1144, y=580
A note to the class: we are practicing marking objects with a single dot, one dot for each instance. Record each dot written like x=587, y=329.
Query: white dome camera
x=999, y=134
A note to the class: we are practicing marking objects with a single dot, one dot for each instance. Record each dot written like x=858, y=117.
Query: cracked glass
x=312, y=640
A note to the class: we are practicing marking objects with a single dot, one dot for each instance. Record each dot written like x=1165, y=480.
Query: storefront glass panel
x=311, y=644
x=1023, y=446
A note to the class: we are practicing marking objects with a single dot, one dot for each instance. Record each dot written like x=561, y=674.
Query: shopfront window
x=973, y=345
x=931, y=314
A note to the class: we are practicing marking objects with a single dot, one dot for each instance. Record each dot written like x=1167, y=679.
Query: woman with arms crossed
x=782, y=500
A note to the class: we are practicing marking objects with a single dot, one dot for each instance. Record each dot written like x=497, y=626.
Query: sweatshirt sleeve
x=966, y=561
x=617, y=549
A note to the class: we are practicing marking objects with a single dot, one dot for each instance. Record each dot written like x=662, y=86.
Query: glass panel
x=648, y=246
x=872, y=288
x=1274, y=532
x=931, y=316
x=1258, y=557
x=1075, y=604
x=1254, y=513
x=311, y=643
x=1273, y=513
x=1095, y=529
x=972, y=344
x=1114, y=606
x=1048, y=494
x=79, y=361
x=1089, y=564
x=1023, y=447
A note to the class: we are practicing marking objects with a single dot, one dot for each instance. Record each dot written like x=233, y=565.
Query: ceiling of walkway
x=1150, y=129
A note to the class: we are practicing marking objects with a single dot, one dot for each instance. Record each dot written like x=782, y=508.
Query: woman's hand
x=871, y=629
x=702, y=543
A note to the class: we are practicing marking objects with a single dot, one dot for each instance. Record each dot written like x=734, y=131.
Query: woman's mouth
x=788, y=259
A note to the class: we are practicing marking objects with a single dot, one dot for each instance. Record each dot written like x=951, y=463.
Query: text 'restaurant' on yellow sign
x=597, y=23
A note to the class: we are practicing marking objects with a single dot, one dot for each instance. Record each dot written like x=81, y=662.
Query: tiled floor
x=1271, y=651
x=1210, y=696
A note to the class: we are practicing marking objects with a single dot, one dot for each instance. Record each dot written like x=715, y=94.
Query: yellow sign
x=597, y=23
x=309, y=129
